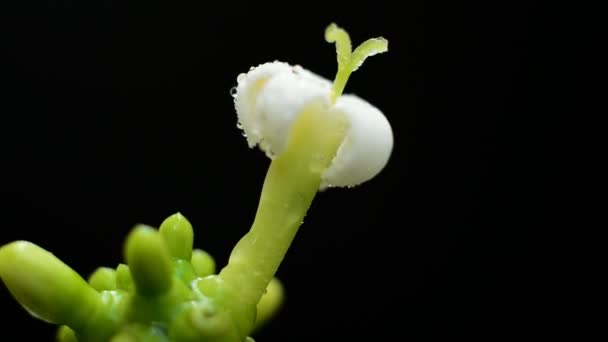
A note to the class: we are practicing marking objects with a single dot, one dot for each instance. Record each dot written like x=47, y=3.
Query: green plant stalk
x=291, y=183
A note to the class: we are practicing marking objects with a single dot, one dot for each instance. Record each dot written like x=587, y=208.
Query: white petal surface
x=247, y=90
x=279, y=103
x=366, y=148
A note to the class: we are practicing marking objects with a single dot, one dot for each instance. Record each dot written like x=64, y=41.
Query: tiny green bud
x=178, y=234
x=124, y=280
x=270, y=302
x=65, y=334
x=103, y=279
x=149, y=261
x=203, y=263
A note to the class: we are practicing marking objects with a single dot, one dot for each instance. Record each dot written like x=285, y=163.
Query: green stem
x=291, y=183
x=340, y=82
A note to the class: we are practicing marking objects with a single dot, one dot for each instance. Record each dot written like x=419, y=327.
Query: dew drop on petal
x=317, y=163
x=270, y=154
x=241, y=77
x=233, y=91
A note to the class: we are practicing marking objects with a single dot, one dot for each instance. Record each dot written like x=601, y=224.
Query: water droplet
x=270, y=154
x=239, y=125
x=241, y=77
x=318, y=163
x=233, y=91
x=244, y=134
x=318, y=157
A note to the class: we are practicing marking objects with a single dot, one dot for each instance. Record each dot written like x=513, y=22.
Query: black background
x=117, y=112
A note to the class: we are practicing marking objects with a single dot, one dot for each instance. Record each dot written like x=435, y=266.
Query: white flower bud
x=270, y=97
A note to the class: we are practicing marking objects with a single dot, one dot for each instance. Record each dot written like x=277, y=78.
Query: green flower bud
x=103, y=279
x=149, y=261
x=45, y=286
x=124, y=280
x=203, y=263
x=65, y=334
x=178, y=234
x=270, y=302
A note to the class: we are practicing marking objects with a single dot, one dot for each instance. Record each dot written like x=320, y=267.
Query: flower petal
x=269, y=98
x=280, y=102
x=366, y=148
x=245, y=98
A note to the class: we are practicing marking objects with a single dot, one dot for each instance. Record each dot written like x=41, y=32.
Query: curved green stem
x=337, y=35
x=291, y=183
